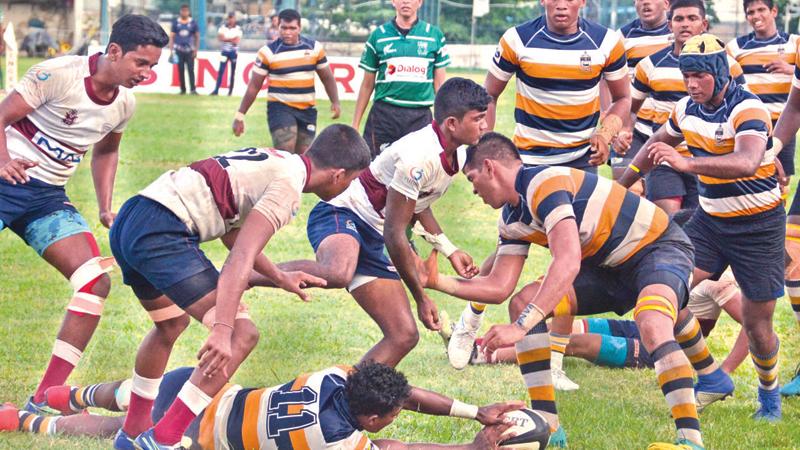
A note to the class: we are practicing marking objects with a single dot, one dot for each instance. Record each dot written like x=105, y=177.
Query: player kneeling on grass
x=242, y=198
x=327, y=409
x=612, y=251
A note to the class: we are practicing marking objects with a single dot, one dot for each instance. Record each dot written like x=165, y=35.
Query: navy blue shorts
x=40, y=213
x=280, y=115
x=667, y=261
x=621, y=162
x=326, y=220
x=753, y=247
x=665, y=182
x=159, y=255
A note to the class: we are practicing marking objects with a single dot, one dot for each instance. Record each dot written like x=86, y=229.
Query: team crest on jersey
x=422, y=48
x=586, y=62
x=70, y=117
x=497, y=54
x=42, y=75
x=416, y=173
x=718, y=135
x=350, y=225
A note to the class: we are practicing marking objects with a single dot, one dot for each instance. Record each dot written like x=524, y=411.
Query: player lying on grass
x=58, y=110
x=612, y=251
x=331, y=408
x=241, y=198
x=351, y=233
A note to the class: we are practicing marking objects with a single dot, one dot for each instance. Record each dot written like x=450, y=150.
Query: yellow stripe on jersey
x=608, y=218
x=563, y=112
x=252, y=405
x=762, y=172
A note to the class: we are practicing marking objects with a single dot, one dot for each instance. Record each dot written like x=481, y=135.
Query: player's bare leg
x=13, y=419
x=655, y=315
x=169, y=322
x=670, y=205
x=792, y=282
x=285, y=138
x=74, y=255
x=387, y=304
x=337, y=257
x=304, y=139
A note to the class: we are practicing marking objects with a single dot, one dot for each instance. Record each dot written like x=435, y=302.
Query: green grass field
x=614, y=409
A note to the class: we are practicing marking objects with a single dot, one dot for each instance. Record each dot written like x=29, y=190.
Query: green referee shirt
x=405, y=64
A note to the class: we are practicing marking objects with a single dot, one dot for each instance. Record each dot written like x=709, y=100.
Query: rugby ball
x=531, y=430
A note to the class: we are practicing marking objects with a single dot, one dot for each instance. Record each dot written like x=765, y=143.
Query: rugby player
x=61, y=108
x=331, y=408
x=242, y=198
x=740, y=222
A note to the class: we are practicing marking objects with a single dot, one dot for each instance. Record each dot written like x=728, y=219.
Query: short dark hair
x=339, y=146
x=185, y=5
x=134, y=30
x=457, y=96
x=289, y=15
x=375, y=388
x=768, y=3
x=493, y=146
x=675, y=4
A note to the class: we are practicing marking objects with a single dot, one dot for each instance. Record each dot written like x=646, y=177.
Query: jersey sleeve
x=736, y=71
x=369, y=58
x=640, y=89
x=322, y=57
x=40, y=85
x=506, y=61
x=279, y=203
x=550, y=200
x=442, y=58
x=673, y=124
x=261, y=64
x=616, y=66
x=751, y=118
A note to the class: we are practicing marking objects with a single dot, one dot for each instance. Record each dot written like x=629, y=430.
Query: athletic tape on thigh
x=166, y=313
x=83, y=301
x=562, y=308
x=67, y=352
x=613, y=351
x=243, y=313
x=655, y=303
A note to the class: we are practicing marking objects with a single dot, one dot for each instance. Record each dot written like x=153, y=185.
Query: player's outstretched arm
x=642, y=163
x=435, y=404
x=486, y=439
x=253, y=88
x=104, y=171
x=326, y=76
x=12, y=109
x=362, y=100
x=494, y=86
x=493, y=288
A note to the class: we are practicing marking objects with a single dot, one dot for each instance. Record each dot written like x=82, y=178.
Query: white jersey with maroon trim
x=415, y=166
x=67, y=116
x=215, y=195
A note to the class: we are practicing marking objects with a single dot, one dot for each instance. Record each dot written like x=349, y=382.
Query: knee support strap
x=655, y=303
x=83, y=300
x=613, y=351
x=166, y=313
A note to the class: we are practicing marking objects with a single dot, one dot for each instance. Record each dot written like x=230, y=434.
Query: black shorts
x=753, y=247
x=617, y=161
x=387, y=123
x=667, y=261
x=280, y=115
x=665, y=182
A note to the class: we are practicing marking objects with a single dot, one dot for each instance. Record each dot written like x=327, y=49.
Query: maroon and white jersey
x=415, y=166
x=67, y=118
x=215, y=195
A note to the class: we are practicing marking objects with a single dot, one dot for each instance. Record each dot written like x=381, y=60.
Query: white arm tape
x=440, y=241
x=464, y=410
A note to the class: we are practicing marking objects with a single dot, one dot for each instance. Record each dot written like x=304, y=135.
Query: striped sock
x=32, y=423
x=533, y=357
x=690, y=337
x=477, y=308
x=558, y=346
x=767, y=367
x=83, y=397
x=675, y=378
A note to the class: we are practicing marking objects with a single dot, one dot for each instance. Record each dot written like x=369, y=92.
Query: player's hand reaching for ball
x=500, y=336
x=493, y=414
x=463, y=264
x=295, y=282
x=490, y=436
x=216, y=352
x=13, y=171
x=428, y=313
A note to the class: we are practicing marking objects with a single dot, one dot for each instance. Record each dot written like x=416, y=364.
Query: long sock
x=473, y=314
x=190, y=403
x=690, y=337
x=32, y=423
x=143, y=394
x=675, y=378
x=767, y=367
x=558, y=346
x=81, y=398
x=792, y=275
x=533, y=357
x=64, y=358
